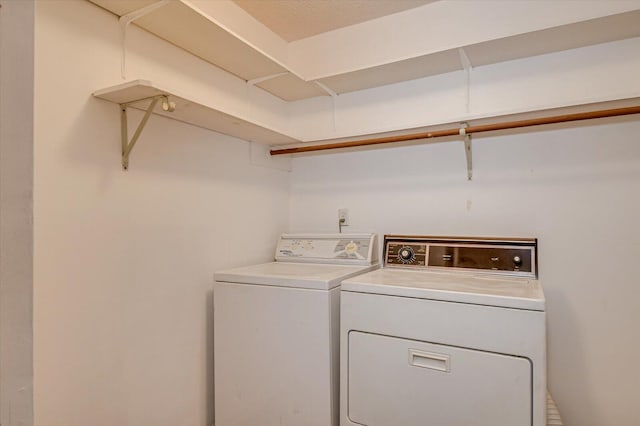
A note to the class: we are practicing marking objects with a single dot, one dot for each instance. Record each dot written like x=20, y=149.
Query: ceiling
x=297, y=19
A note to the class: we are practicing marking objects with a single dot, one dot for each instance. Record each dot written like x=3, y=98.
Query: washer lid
x=296, y=275
x=518, y=293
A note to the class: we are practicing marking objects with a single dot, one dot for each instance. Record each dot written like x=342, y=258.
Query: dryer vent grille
x=553, y=415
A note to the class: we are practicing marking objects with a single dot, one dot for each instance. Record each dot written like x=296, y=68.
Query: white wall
x=16, y=213
x=124, y=260
x=576, y=189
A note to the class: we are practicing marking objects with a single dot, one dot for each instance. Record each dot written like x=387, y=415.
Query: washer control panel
x=512, y=256
x=351, y=249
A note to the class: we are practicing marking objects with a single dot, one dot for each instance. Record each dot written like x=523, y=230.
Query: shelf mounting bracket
x=467, y=149
x=124, y=22
x=127, y=145
x=333, y=95
x=466, y=64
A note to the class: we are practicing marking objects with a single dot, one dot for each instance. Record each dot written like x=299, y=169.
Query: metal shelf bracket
x=466, y=64
x=124, y=22
x=333, y=95
x=127, y=145
x=467, y=149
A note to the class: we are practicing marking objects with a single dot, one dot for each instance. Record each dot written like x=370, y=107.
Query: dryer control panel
x=348, y=249
x=509, y=256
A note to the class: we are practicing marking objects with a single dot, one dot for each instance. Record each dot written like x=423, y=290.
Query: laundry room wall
x=124, y=261
x=576, y=188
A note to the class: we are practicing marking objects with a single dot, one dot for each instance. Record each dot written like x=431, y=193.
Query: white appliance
x=451, y=332
x=276, y=332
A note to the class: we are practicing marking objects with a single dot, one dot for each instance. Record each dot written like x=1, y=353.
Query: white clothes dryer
x=451, y=332
x=276, y=332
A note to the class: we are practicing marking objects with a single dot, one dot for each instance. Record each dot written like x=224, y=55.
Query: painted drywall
x=124, y=261
x=16, y=212
x=576, y=189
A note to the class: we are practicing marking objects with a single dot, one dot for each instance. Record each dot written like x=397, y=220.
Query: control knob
x=351, y=248
x=406, y=254
x=517, y=260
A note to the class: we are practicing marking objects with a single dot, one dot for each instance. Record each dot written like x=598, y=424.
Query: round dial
x=351, y=248
x=517, y=260
x=406, y=254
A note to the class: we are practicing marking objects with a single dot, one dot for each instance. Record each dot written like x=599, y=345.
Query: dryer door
x=395, y=381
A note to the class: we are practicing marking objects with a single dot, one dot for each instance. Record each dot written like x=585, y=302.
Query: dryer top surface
x=460, y=287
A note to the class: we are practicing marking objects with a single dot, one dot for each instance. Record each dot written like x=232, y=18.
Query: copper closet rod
x=469, y=130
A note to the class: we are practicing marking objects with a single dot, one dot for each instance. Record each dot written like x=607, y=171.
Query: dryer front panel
x=394, y=381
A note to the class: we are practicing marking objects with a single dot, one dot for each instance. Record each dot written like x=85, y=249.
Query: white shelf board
x=185, y=26
x=556, y=39
x=209, y=117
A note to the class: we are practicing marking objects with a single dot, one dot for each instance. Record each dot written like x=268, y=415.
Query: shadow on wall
x=573, y=376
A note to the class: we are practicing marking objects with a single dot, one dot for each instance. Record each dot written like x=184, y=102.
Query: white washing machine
x=277, y=335
x=451, y=332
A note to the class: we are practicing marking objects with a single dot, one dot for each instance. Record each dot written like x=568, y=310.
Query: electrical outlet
x=343, y=217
